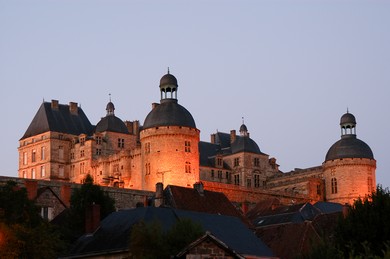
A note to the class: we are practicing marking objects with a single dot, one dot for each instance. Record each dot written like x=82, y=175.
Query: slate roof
x=209, y=202
x=286, y=214
x=114, y=232
x=58, y=120
x=349, y=147
x=169, y=113
x=111, y=123
x=328, y=207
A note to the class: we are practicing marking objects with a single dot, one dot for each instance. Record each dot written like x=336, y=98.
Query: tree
x=367, y=225
x=81, y=198
x=148, y=240
x=23, y=233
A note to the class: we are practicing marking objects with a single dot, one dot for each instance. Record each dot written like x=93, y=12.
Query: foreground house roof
x=113, y=235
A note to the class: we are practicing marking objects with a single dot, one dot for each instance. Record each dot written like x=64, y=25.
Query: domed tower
x=349, y=167
x=169, y=141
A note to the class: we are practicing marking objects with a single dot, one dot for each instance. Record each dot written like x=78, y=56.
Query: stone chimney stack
x=92, y=218
x=54, y=104
x=213, y=138
x=232, y=136
x=199, y=187
x=159, y=195
x=73, y=108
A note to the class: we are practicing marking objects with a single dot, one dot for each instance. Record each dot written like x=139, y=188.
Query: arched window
x=334, y=185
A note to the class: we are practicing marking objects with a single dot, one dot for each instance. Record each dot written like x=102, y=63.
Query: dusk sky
x=290, y=68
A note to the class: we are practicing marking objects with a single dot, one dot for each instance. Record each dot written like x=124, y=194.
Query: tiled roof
x=58, y=120
x=114, y=232
x=208, y=202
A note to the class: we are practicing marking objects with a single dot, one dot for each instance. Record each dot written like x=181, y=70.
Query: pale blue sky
x=291, y=68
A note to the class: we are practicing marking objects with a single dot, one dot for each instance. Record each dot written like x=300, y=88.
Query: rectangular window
x=256, y=162
x=33, y=156
x=43, y=153
x=24, y=158
x=257, y=180
x=212, y=173
x=33, y=173
x=220, y=174
x=82, y=141
x=248, y=183
x=98, y=151
x=147, y=168
x=188, y=167
x=47, y=213
x=98, y=140
x=237, y=179
x=60, y=152
x=227, y=175
x=61, y=171
x=187, y=146
x=72, y=169
x=334, y=185
x=82, y=168
x=24, y=174
x=318, y=189
x=121, y=143
x=236, y=161
x=219, y=161
x=61, y=136
x=43, y=171
x=82, y=153
x=72, y=155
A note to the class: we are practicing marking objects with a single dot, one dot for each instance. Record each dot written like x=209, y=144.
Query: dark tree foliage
x=81, y=198
x=366, y=228
x=23, y=233
x=148, y=240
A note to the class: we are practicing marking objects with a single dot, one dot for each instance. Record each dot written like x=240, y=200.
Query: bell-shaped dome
x=113, y=124
x=349, y=146
x=169, y=113
x=348, y=118
x=245, y=144
x=168, y=80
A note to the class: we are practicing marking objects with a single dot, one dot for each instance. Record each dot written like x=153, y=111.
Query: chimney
x=213, y=138
x=159, y=195
x=65, y=192
x=232, y=136
x=129, y=126
x=136, y=127
x=92, y=218
x=73, y=108
x=199, y=187
x=154, y=105
x=54, y=104
x=32, y=189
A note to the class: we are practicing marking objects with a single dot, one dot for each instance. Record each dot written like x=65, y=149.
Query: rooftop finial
x=242, y=120
x=168, y=70
x=109, y=96
x=347, y=110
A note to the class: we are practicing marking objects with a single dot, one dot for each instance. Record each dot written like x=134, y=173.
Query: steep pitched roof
x=208, y=202
x=59, y=120
x=114, y=232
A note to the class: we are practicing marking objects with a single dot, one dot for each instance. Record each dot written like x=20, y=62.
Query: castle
x=61, y=144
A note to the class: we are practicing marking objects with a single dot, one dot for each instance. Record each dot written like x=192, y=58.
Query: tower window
x=98, y=151
x=187, y=146
x=256, y=161
x=33, y=156
x=82, y=141
x=42, y=153
x=236, y=161
x=257, y=180
x=98, y=140
x=82, y=169
x=212, y=173
x=60, y=152
x=25, y=158
x=43, y=171
x=33, y=173
x=82, y=153
x=237, y=179
x=147, y=168
x=188, y=167
x=121, y=142
x=334, y=185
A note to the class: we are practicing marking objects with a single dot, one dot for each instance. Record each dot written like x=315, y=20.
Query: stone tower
x=169, y=141
x=349, y=167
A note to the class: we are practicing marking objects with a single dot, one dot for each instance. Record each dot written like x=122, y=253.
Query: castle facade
x=61, y=144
